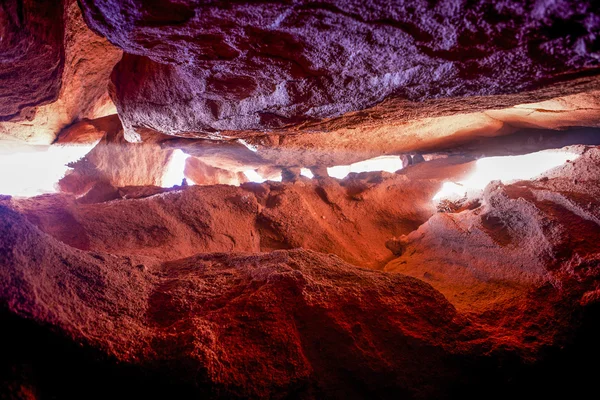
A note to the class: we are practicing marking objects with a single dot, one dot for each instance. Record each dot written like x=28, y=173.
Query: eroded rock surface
x=351, y=218
x=55, y=70
x=32, y=55
x=194, y=68
x=200, y=173
x=297, y=322
x=396, y=127
x=322, y=288
x=528, y=241
x=241, y=325
x=113, y=161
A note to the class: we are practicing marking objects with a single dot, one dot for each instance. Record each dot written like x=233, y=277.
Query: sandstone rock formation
x=200, y=173
x=255, y=218
x=528, y=251
x=238, y=325
x=116, y=163
x=298, y=322
x=194, y=68
x=55, y=70
x=33, y=53
x=207, y=246
x=113, y=160
x=396, y=127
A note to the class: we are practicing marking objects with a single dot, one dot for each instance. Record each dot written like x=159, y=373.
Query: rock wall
x=324, y=288
x=194, y=68
x=55, y=70
x=351, y=218
x=493, y=289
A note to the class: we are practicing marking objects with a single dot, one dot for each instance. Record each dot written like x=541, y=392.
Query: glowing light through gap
x=249, y=146
x=254, y=176
x=383, y=163
x=506, y=169
x=32, y=170
x=306, y=172
x=173, y=174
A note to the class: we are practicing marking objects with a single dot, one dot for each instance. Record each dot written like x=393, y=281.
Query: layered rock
x=397, y=127
x=352, y=218
x=210, y=68
x=32, y=58
x=58, y=70
x=508, y=259
x=513, y=277
x=235, y=325
x=113, y=162
x=392, y=130
x=361, y=287
x=116, y=163
x=200, y=173
x=230, y=155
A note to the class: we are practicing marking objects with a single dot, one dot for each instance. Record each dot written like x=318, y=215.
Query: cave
x=307, y=199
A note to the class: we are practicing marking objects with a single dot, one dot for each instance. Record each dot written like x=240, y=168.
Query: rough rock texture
x=31, y=55
x=200, y=173
x=57, y=36
x=249, y=66
x=363, y=287
x=113, y=161
x=90, y=131
x=235, y=325
x=352, y=218
x=526, y=239
x=399, y=127
x=524, y=141
x=230, y=155
x=296, y=323
x=396, y=127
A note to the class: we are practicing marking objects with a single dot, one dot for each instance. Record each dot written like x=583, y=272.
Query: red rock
x=228, y=155
x=396, y=126
x=201, y=173
x=113, y=160
x=89, y=131
x=529, y=246
x=140, y=192
x=100, y=192
x=33, y=56
x=306, y=288
x=297, y=322
x=276, y=316
x=55, y=70
x=254, y=218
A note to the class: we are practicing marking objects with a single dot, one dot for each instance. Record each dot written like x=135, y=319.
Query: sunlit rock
x=299, y=200
x=119, y=163
x=59, y=57
x=201, y=173
x=506, y=169
x=396, y=127
x=525, y=236
x=30, y=170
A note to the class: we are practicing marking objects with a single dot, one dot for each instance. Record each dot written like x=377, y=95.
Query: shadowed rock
x=199, y=69
x=32, y=56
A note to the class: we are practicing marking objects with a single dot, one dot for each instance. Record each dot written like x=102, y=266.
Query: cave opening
x=294, y=200
x=506, y=169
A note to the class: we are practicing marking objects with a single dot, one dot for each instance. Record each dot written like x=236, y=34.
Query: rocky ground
x=193, y=286
x=118, y=285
